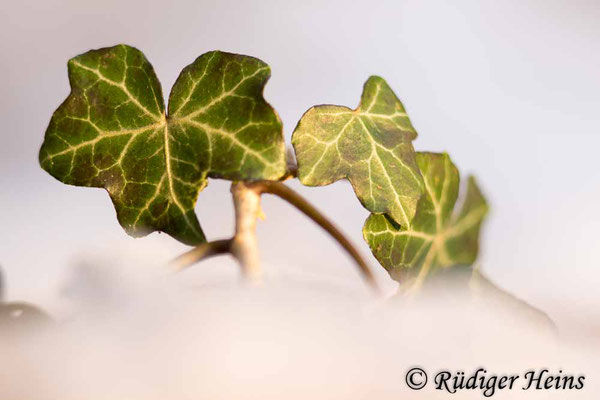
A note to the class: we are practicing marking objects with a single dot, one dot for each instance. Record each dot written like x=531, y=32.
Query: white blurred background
x=510, y=89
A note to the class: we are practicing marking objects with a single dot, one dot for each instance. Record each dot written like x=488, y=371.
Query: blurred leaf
x=112, y=132
x=371, y=146
x=21, y=318
x=439, y=236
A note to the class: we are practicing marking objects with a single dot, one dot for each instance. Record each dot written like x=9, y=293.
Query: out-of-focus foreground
x=144, y=335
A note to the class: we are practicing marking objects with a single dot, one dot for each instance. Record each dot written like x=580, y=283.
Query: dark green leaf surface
x=112, y=132
x=439, y=235
x=371, y=146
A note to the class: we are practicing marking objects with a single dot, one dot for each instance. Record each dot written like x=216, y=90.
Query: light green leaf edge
x=370, y=146
x=439, y=236
x=112, y=132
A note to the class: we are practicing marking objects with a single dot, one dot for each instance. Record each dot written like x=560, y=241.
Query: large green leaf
x=439, y=236
x=112, y=132
x=371, y=146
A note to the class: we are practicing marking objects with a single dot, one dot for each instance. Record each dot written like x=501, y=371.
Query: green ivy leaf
x=438, y=236
x=112, y=132
x=370, y=146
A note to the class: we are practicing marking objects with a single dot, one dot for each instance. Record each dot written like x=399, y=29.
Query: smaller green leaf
x=371, y=146
x=439, y=237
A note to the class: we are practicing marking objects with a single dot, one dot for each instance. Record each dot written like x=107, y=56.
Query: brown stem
x=202, y=252
x=244, y=245
x=280, y=190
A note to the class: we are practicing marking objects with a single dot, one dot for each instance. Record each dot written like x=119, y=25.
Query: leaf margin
x=403, y=212
x=429, y=257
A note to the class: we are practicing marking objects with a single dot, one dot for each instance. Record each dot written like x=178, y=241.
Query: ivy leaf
x=438, y=236
x=370, y=146
x=112, y=132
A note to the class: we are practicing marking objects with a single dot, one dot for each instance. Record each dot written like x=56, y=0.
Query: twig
x=202, y=252
x=244, y=246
